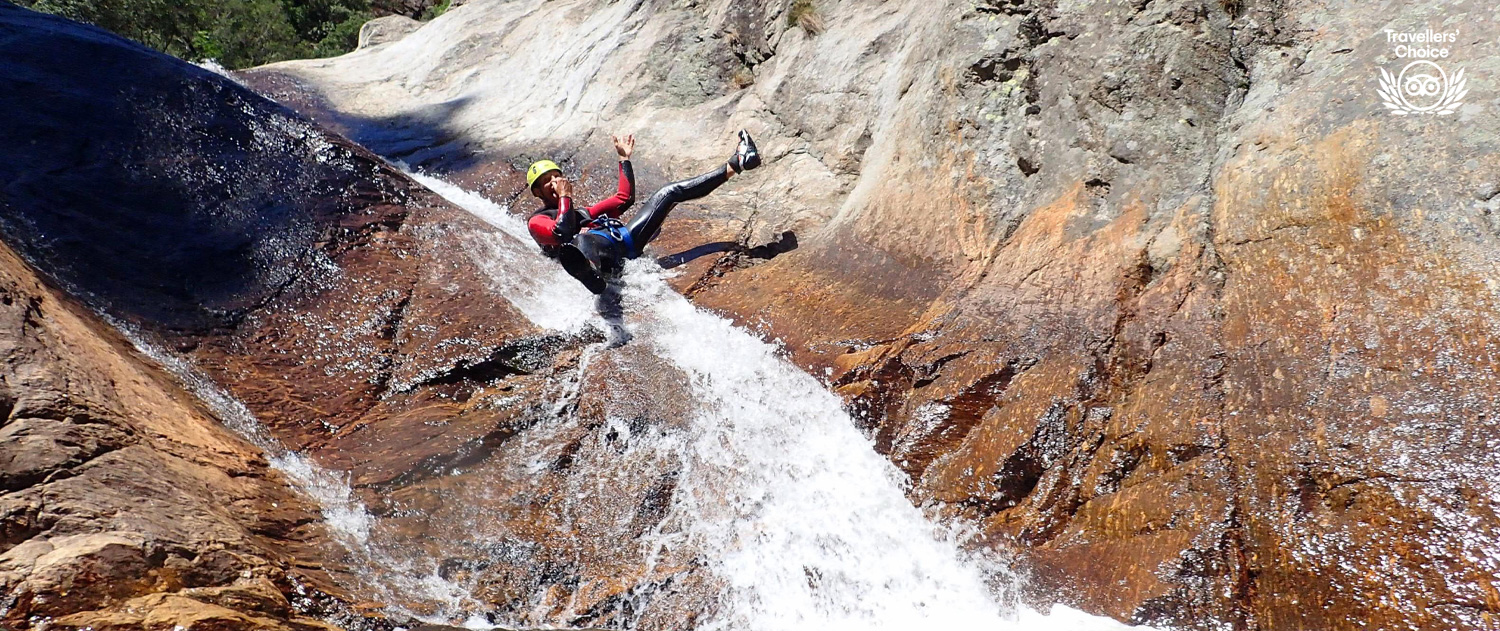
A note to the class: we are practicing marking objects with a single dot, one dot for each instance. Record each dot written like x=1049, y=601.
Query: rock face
x=1156, y=292
x=123, y=503
x=339, y=301
x=384, y=30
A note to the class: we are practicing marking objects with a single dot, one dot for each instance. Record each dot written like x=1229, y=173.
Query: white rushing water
x=383, y=570
x=805, y=523
x=345, y=515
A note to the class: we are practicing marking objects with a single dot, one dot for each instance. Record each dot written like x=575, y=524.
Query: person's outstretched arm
x=625, y=196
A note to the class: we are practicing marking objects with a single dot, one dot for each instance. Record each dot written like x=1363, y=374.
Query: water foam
x=531, y=282
x=381, y=569
x=805, y=523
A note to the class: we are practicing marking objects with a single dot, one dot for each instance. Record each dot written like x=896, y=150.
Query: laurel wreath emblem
x=1444, y=92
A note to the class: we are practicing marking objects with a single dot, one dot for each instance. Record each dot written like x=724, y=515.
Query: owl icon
x=1422, y=87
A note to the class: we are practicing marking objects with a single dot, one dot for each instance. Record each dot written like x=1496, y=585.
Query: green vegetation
x=237, y=33
x=437, y=9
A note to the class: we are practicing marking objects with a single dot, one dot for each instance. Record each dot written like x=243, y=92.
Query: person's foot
x=745, y=155
x=618, y=336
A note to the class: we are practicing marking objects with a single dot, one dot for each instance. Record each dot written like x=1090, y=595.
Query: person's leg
x=646, y=223
x=577, y=265
x=610, y=307
x=606, y=254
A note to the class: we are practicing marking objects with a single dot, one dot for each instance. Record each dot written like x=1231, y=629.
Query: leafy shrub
x=237, y=33
x=437, y=9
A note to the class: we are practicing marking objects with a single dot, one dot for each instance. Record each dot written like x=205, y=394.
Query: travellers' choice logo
x=1422, y=86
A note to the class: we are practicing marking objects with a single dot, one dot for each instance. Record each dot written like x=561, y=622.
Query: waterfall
x=805, y=524
x=801, y=521
x=383, y=571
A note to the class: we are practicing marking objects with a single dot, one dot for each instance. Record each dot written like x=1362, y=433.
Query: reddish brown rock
x=345, y=306
x=325, y=289
x=1158, y=293
x=180, y=611
x=118, y=485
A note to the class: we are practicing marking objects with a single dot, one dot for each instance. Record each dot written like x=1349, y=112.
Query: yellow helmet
x=539, y=168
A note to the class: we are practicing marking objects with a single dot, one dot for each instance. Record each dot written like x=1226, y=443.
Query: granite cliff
x=1154, y=295
x=1156, y=292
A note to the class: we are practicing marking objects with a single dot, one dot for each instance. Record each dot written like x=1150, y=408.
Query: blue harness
x=616, y=231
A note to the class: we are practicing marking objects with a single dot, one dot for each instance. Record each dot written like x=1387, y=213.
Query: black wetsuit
x=592, y=244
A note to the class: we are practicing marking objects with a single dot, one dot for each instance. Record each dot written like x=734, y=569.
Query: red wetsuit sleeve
x=541, y=229
x=623, y=198
x=549, y=231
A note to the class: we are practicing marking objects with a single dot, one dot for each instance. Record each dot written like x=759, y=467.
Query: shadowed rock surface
x=342, y=304
x=124, y=504
x=1156, y=292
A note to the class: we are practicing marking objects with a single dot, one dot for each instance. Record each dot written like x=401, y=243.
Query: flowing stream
x=802, y=522
x=807, y=526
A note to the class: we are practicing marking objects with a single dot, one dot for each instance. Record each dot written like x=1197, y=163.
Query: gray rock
x=386, y=29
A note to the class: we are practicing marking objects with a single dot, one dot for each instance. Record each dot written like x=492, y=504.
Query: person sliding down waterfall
x=592, y=243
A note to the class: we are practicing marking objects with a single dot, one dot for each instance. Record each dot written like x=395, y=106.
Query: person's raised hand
x=625, y=145
x=562, y=186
